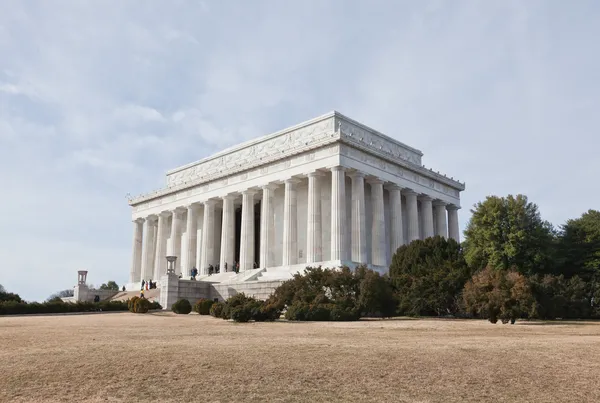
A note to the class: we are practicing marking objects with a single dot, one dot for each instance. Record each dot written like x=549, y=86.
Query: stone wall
x=193, y=290
x=257, y=289
x=83, y=293
x=173, y=289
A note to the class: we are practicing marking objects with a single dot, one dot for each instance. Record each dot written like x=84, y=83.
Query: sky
x=98, y=99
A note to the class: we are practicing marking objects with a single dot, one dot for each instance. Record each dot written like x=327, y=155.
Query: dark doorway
x=257, y=209
x=238, y=233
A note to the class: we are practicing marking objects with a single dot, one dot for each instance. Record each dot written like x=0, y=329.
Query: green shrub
x=142, y=305
x=216, y=309
x=182, y=307
x=241, y=313
x=345, y=315
x=241, y=308
x=309, y=312
x=155, y=305
x=265, y=312
x=203, y=305
x=233, y=302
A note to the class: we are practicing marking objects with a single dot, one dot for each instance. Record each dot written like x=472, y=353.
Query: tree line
x=512, y=264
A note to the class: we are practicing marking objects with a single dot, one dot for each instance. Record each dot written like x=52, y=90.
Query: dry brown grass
x=168, y=358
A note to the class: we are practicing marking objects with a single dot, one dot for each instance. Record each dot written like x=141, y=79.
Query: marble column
x=427, y=216
x=453, y=231
x=290, y=223
x=378, y=255
x=267, y=227
x=228, y=234
x=358, y=235
x=176, y=238
x=314, y=251
x=208, y=237
x=148, y=249
x=338, y=213
x=396, y=236
x=413, y=215
x=247, y=231
x=441, y=226
x=136, y=264
x=191, y=229
x=160, y=261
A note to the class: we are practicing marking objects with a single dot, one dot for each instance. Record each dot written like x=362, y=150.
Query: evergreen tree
x=111, y=285
x=507, y=232
x=579, y=246
x=429, y=276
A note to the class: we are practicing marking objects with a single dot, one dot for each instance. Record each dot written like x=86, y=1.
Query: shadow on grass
x=558, y=322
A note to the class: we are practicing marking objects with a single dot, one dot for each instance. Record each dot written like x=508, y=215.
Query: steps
x=151, y=295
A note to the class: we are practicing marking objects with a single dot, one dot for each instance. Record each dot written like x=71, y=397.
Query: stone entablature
x=289, y=147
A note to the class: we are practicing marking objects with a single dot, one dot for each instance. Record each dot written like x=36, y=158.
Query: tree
x=61, y=294
x=579, y=246
x=111, y=285
x=429, y=276
x=2, y=289
x=9, y=296
x=507, y=232
x=497, y=294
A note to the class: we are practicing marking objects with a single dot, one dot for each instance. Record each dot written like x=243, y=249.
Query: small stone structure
x=83, y=293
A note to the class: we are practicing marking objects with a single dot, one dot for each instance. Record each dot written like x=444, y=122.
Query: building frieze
x=403, y=173
x=289, y=147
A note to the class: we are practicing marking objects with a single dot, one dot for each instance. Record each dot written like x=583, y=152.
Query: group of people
x=217, y=269
x=149, y=285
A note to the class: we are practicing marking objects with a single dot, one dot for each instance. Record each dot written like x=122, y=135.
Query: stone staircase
x=150, y=295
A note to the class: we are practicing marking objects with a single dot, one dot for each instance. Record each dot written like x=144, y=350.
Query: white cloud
x=501, y=95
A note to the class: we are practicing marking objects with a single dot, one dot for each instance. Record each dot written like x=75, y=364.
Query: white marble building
x=329, y=191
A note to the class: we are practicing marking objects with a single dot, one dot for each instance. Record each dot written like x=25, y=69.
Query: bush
x=155, y=305
x=344, y=315
x=203, y=306
x=239, y=308
x=141, y=305
x=131, y=303
x=496, y=294
x=335, y=295
x=182, y=307
x=216, y=309
x=268, y=313
x=241, y=313
x=308, y=312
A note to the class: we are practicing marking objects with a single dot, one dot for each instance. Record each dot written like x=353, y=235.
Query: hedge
x=241, y=308
x=25, y=308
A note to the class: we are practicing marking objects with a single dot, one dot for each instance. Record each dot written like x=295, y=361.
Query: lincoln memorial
x=326, y=192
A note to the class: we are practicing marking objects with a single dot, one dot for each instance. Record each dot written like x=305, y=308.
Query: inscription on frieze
x=376, y=142
x=263, y=151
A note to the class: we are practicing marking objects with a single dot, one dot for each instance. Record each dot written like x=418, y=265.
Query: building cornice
x=315, y=133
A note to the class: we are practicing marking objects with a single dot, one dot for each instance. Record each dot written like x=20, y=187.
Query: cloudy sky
x=99, y=98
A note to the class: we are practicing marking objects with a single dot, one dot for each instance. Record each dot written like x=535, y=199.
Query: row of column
x=149, y=257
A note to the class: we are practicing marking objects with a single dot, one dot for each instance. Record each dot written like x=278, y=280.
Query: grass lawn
x=167, y=358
